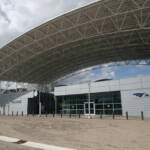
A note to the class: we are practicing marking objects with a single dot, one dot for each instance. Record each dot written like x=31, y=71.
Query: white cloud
x=106, y=71
x=142, y=63
x=19, y=16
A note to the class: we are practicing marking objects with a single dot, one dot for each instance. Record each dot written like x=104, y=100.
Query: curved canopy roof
x=102, y=32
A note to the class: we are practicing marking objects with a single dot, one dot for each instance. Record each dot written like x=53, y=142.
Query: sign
x=141, y=95
x=16, y=102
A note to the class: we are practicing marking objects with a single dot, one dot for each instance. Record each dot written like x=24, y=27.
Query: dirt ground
x=81, y=134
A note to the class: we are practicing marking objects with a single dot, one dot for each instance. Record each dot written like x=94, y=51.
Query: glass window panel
x=105, y=99
x=108, y=100
x=100, y=101
x=66, y=106
x=108, y=106
x=116, y=94
x=72, y=111
x=91, y=105
x=86, y=110
x=117, y=106
x=99, y=112
x=66, y=111
x=108, y=112
x=92, y=111
x=72, y=106
x=80, y=106
x=118, y=112
x=80, y=111
x=117, y=100
x=86, y=106
x=98, y=106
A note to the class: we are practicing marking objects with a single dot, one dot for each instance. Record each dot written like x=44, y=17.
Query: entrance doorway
x=89, y=108
x=47, y=104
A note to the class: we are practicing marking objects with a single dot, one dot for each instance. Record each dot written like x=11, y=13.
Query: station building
x=105, y=97
x=130, y=95
x=100, y=33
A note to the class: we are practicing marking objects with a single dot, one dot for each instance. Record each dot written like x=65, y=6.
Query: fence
x=79, y=115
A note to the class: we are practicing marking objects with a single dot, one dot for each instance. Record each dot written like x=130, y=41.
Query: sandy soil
x=82, y=134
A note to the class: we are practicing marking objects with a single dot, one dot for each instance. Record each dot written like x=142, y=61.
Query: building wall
x=2, y=109
x=128, y=87
x=132, y=103
x=18, y=104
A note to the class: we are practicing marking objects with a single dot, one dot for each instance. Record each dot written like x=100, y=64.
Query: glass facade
x=100, y=103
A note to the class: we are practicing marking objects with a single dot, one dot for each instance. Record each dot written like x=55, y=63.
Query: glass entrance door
x=89, y=108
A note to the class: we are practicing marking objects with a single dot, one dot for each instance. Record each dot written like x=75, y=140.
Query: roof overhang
x=102, y=32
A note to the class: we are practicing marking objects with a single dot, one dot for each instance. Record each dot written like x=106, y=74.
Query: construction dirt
x=77, y=133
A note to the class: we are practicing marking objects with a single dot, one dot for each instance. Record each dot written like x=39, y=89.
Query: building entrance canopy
x=102, y=32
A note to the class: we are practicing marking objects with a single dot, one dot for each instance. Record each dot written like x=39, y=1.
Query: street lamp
x=39, y=105
x=89, y=98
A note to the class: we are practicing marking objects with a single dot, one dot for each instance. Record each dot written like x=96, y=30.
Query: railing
x=70, y=115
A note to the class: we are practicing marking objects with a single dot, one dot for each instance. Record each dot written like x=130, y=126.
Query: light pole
x=55, y=99
x=8, y=107
x=89, y=98
x=39, y=105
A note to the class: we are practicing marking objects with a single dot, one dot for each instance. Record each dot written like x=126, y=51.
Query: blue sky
x=132, y=71
x=107, y=71
x=125, y=71
x=19, y=16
